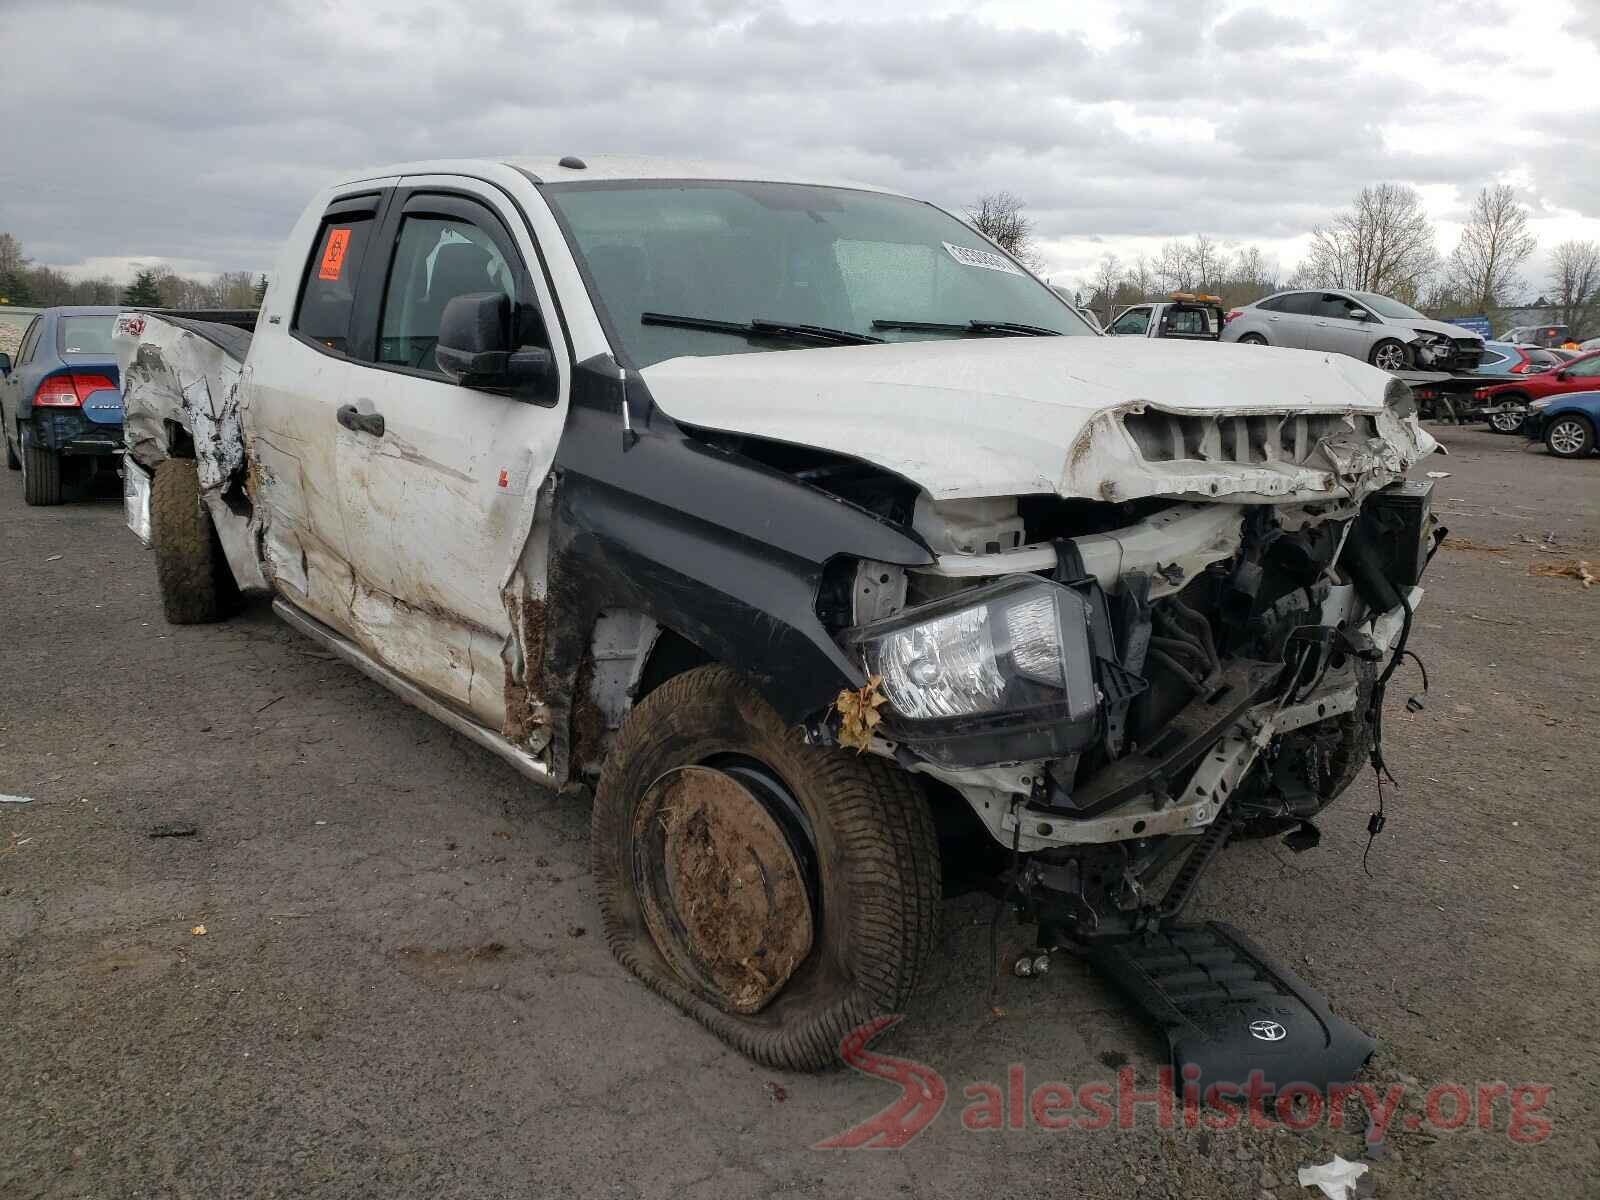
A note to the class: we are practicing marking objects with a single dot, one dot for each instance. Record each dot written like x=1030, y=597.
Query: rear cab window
x=328, y=290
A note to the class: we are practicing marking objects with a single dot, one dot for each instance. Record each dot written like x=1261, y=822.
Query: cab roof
x=550, y=168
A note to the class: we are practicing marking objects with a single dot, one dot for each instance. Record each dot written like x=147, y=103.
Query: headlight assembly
x=1012, y=655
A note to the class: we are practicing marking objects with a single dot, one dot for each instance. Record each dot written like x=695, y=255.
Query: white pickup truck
x=826, y=538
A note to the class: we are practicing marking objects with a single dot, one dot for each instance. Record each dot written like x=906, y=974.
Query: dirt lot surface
x=399, y=991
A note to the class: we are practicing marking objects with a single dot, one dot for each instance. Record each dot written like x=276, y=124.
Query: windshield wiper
x=763, y=328
x=981, y=328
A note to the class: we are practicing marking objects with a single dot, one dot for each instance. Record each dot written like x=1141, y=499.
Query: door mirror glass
x=5, y=363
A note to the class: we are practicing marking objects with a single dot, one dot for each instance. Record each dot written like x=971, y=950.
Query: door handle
x=360, y=422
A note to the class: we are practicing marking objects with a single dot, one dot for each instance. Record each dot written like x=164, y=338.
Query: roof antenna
x=573, y=163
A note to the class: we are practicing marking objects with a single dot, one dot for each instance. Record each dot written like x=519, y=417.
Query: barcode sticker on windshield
x=988, y=260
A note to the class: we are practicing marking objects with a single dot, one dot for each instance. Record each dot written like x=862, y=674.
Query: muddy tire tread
x=189, y=562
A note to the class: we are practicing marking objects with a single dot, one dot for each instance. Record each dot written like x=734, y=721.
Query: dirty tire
x=41, y=476
x=196, y=584
x=1569, y=436
x=877, y=856
x=1389, y=355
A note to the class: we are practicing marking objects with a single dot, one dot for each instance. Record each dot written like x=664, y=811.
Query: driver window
x=436, y=260
x=1134, y=321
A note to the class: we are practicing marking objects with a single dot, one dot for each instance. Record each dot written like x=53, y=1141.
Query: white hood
x=1014, y=416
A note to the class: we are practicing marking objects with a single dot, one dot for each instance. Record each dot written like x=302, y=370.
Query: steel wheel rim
x=713, y=839
x=1567, y=437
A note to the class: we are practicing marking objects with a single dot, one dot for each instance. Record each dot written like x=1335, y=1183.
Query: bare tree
x=1175, y=267
x=1385, y=244
x=1107, y=274
x=1493, y=246
x=1207, y=261
x=1255, y=273
x=1000, y=217
x=1575, y=281
x=1140, y=279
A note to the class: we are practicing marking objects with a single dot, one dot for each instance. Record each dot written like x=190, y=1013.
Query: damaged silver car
x=1377, y=329
x=833, y=547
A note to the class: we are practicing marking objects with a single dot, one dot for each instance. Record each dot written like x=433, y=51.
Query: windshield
x=1386, y=307
x=857, y=265
x=86, y=335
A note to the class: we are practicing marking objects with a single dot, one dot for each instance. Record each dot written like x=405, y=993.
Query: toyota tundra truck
x=826, y=543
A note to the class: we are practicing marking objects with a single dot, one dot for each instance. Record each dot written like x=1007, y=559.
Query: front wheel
x=1389, y=355
x=1569, y=436
x=781, y=894
x=1252, y=339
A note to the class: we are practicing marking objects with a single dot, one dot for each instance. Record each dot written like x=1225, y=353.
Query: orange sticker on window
x=333, y=256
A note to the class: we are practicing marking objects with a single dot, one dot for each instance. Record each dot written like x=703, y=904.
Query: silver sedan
x=1364, y=325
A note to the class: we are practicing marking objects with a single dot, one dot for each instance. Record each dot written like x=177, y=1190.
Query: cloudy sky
x=193, y=132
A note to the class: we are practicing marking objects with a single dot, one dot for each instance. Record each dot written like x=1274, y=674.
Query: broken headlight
x=1007, y=657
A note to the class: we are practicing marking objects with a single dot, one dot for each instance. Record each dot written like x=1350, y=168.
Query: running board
x=1231, y=1012
x=358, y=658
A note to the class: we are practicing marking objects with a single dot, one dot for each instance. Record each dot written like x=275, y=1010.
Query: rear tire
x=1505, y=422
x=1252, y=339
x=874, y=848
x=195, y=582
x=41, y=476
x=1569, y=436
x=1389, y=355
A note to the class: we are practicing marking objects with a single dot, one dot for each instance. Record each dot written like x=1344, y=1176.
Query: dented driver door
x=438, y=482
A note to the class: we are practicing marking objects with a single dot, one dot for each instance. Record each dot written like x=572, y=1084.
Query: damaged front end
x=1200, y=655
x=1434, y=351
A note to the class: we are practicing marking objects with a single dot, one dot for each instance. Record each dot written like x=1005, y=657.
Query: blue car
x=61, y=401
x=1566, y=423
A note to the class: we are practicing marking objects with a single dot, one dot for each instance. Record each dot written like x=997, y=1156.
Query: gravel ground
x=400, y=992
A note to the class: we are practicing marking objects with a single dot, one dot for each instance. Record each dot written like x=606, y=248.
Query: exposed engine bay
x=1108, y=685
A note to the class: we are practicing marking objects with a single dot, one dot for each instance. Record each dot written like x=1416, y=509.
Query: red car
x=1582, y=374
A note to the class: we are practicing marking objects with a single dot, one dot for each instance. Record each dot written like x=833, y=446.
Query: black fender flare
x=724, y=551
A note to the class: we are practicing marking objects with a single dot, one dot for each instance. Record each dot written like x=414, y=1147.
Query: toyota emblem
x=1268, y=1031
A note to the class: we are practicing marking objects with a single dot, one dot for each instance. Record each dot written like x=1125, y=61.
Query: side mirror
x=5, y=363
x=474, y=347
x=1359, y=314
